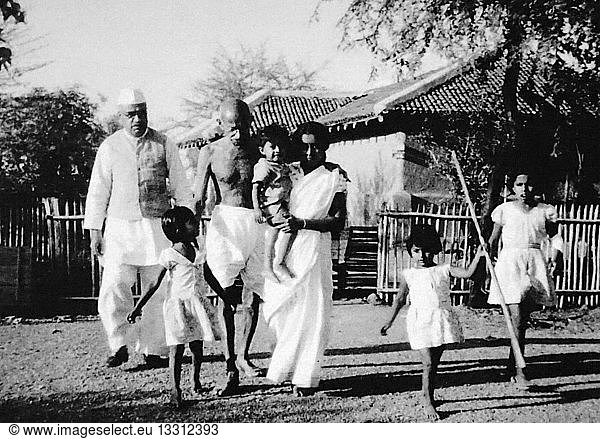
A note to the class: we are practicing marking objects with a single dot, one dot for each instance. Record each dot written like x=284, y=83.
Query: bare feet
x=175, y=399
x=430, y=412
x=249, y=369
x=303, y=391
x=520, y=382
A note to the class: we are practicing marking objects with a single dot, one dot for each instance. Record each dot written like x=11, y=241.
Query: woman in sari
x=298, y=309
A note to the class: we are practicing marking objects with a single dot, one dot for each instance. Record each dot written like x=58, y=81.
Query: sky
x=163, y=46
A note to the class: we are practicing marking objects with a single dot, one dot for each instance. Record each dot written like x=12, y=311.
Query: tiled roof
x=458, y=89
x=292, y=110
x=288, y=109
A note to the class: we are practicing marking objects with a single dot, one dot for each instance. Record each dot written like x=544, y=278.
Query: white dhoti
x=235, y=245
x=116, y=302
x=132, y=247
x=298, y=310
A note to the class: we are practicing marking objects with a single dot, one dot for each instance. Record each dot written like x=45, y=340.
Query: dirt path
x=54, y=371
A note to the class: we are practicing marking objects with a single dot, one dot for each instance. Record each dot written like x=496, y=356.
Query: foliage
x=563, y=36
x=10, y=9
x=47, y=142
x=23, y=60
x=475, y=140
x=111, y=123
x=402, y=32
x=241, y=73
x=577, y=108
x=15, y=43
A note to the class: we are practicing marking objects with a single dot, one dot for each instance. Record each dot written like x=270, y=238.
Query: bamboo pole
x=380, y=245
x=464, y=239
x=595, y=251
x=519, y=360
x=395, y=242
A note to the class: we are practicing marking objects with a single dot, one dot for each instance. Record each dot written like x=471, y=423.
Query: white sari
x=298, y=310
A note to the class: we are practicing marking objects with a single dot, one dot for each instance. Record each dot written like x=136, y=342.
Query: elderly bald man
x=234, y=240
x=127, y=196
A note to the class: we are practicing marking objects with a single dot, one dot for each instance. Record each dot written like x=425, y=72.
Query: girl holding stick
x=524, y=275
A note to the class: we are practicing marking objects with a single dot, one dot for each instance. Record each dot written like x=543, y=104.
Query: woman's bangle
x=304, y=224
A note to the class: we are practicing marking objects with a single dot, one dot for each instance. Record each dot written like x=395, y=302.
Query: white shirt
x=113, y=195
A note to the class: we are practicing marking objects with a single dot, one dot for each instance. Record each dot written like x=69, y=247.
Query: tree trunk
x=509, y=100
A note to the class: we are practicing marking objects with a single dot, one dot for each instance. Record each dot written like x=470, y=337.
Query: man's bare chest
x=232, y=169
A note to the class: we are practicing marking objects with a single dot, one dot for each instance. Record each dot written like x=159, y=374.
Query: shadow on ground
x=257, y=403
x=460, y=373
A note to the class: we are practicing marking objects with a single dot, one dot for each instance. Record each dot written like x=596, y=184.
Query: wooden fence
x=579, y=225
x=63, y=267
x=23, y=224
x=61, y=263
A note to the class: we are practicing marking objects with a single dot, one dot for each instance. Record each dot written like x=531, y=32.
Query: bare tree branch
x=243, y=72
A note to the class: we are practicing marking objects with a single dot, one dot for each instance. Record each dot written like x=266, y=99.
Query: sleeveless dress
x=188, y=314
x=430, y=321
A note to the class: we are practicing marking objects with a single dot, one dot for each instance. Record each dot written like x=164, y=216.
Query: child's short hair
x=424, y=236
x=272, y=133
x=173, y=222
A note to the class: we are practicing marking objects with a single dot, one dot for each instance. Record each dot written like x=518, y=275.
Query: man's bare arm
x=203, y=174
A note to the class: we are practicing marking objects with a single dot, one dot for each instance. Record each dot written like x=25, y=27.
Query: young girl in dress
x=430, y=321
x=189, y=317
x=524, y=276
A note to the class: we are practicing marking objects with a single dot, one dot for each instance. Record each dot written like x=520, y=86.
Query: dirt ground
x=53, y=370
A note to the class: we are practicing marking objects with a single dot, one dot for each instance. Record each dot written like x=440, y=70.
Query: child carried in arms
x=271, y=187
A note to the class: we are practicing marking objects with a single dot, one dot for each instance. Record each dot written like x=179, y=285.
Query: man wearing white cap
x=128, y=195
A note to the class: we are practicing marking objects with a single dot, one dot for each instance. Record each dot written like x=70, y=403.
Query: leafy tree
x=10, y=9
x=111, y=123
x=562, y=35
x=475, y=139
x=22, y=47
x=47, y=142
x=241, y=73
x=15, y=43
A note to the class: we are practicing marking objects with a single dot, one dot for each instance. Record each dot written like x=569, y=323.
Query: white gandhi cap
x=130, y=97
